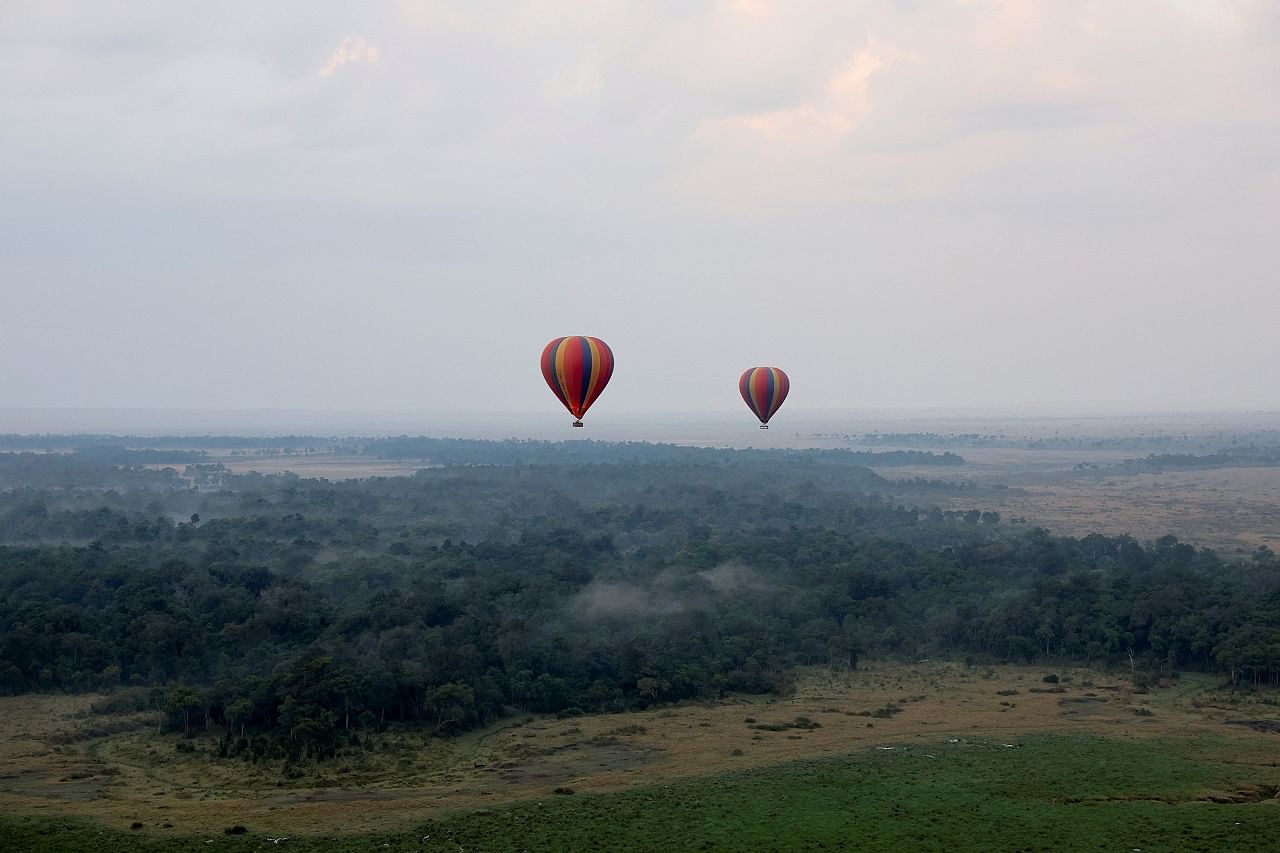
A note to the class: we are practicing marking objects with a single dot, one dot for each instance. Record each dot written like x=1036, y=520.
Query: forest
x=298, y=615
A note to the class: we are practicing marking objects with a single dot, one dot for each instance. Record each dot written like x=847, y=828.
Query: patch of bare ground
x=1258, y=725
x=1234, y=510
x=328, y=466
x=137, y=776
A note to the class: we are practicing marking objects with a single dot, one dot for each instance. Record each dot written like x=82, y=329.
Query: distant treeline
x=54, y=441
x=87, y=470
x=118, y=466
x=289, y=614
x=440, y=451
x=1240, y=457
x=456, y=451
x=1200, y=442
x=108, y=455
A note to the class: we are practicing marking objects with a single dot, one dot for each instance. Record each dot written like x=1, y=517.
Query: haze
x=332, y=206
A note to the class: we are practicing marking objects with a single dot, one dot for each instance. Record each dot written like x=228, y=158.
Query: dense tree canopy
x=296, y=613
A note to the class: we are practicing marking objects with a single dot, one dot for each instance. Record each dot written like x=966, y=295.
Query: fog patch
x=729, y=578
x=670, y=592
x=614, y=600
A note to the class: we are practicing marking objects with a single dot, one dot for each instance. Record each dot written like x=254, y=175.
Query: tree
x=450, y=704
x=179, y=701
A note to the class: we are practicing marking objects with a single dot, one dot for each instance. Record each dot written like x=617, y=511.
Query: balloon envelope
x=577, y=368
x=764, y=389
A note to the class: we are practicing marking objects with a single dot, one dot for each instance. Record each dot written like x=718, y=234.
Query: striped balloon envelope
x=577, y=368
x=764, y=389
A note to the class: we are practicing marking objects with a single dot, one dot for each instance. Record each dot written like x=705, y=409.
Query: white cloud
x=581, y=82
x=903, y=173
x=842, y=104
x=351, y=49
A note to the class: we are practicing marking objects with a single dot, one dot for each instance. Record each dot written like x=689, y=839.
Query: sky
x=307, y=204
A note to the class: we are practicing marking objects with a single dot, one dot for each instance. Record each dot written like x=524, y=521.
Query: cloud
x=352, y=49
x=750, y=8
x=886, y=176
x=843, y=103
x=581, y=82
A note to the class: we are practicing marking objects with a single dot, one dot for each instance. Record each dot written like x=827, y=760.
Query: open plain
x=58, y=758
x=1069, y=492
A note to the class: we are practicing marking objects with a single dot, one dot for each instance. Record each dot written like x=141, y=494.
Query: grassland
x=1234, y=510
x=1042, y=792
x=892, y=756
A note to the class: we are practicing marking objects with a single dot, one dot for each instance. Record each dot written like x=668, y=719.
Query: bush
x=127, y=701
x=798, y=723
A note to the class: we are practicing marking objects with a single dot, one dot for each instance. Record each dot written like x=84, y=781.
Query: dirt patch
x=1257, y=725
x=1092, y=709
x=328, y=466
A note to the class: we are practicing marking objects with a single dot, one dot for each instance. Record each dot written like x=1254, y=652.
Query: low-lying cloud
x=667, y=593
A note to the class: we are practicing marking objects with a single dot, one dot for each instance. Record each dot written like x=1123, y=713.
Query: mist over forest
x=299, y=615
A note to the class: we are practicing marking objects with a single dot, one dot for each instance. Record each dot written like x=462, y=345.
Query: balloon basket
x=764, y=426
x=577, y=423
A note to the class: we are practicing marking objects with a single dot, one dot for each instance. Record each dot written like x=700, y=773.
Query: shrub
x=127, y=701
x=798, y=723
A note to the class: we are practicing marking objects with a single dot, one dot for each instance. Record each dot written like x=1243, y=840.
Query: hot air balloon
x=577, y=368
x=764, y=389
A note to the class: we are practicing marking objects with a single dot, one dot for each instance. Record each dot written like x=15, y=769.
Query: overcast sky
x=395, y=205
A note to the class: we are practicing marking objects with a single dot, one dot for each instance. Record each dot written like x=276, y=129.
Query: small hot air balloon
x=577, y=368
x=764, y=389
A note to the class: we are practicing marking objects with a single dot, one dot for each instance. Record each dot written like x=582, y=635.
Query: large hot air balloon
x=764, y=389
x=577, y=368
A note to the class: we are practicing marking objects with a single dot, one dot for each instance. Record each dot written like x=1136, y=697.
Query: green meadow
x=1042, y=792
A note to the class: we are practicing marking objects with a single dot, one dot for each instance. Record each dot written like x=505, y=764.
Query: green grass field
x=1044, y=793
